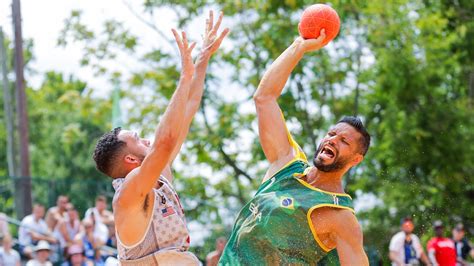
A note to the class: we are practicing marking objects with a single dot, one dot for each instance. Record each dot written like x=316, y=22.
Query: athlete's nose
x=331, y=140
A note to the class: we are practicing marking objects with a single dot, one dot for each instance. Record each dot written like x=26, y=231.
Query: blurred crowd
x=59, y=236
x=454, y=250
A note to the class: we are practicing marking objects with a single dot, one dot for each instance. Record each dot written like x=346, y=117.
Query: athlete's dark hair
x=107, y=150
x=356, y=123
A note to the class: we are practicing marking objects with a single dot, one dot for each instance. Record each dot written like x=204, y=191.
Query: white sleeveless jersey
x=166, y=238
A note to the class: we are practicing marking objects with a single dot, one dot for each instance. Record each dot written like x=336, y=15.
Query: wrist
x=298, y=48
x=203, y=57
x=186, y=77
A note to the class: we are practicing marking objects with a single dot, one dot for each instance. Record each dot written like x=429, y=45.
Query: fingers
x=178, y=39
x=185, y=40
x=322, y=35
x=190, y=49
x=218, y=23
x=218, y=41
x=211, y=19
x=208, y=27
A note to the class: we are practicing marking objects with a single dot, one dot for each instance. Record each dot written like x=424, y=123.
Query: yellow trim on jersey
x=286, y=165
x=306, y=184
x=311, y=226
x=299, y=152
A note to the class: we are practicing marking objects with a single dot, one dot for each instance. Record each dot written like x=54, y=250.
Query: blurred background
x=405, y=67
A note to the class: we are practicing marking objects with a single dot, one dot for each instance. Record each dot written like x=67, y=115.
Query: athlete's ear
x=129, y=158
x=357, y=159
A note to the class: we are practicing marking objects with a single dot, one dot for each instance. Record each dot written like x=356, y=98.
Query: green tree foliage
x=64, y=122
x=406, y=67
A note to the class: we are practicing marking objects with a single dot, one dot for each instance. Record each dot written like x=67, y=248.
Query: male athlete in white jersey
x=149, y=219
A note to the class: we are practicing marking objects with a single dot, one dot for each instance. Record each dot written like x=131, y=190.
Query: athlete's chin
x=326, y=166
x=323, y=162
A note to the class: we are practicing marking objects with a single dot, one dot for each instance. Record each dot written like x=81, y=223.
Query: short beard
x=337, y=164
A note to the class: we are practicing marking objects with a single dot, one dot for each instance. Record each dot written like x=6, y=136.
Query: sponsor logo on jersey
x=253, y=208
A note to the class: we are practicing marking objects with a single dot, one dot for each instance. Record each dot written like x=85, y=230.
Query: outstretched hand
x=309, y=45
x=185, y=50
x=210, y=40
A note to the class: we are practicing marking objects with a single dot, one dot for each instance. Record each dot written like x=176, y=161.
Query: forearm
x=394, y=258
x=194, y=101
x=169, y=128
x=197, y=84
x=275, y=77
x=38, y=237
x=425, y=259
x=432, y=257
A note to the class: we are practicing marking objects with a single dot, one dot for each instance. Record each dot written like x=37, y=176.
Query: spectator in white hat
x=42, y=251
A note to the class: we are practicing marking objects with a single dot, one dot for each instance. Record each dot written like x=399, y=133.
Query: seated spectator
x=101, y=232
x=8, y=256
x=213, y=257
x=56, y=213
x=102, y=215
x=463, y=247
x=42, y=251
x=90, y=242
x=75, y=257
x=68, y=228
x=112, y=241
x=33, y=229
x=3, y=225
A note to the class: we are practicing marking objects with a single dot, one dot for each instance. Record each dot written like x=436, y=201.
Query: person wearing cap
x=463, y=247
x=405, y=247
x=76, y=257
x=441, y=250
x=42, y=251
x=8, y=256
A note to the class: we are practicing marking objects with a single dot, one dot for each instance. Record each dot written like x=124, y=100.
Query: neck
x=327, y=181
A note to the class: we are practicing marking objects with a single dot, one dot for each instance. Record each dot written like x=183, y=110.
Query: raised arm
x=211, y=43
x=141, y=180
x=271, y=125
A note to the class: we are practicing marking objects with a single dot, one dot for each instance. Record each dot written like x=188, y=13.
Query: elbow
x=166, y=142
x=260, y=98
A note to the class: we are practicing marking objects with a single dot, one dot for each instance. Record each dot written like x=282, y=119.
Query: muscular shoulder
x=337, y=222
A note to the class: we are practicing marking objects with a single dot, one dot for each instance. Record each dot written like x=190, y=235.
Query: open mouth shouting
x=328, y=152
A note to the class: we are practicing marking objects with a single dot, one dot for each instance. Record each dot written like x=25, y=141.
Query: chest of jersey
x=275, y=227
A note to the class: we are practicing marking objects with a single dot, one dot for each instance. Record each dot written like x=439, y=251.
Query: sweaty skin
x=133, y=204
x=336, y=228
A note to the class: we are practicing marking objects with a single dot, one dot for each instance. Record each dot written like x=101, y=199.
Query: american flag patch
x=165, y=212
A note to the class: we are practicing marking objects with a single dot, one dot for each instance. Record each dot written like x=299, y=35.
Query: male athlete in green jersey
x=299, y=212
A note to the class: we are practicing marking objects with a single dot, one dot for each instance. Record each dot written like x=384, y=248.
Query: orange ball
x=317, y=17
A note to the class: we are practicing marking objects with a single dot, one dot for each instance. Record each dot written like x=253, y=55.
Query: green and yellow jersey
x=275, y=227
